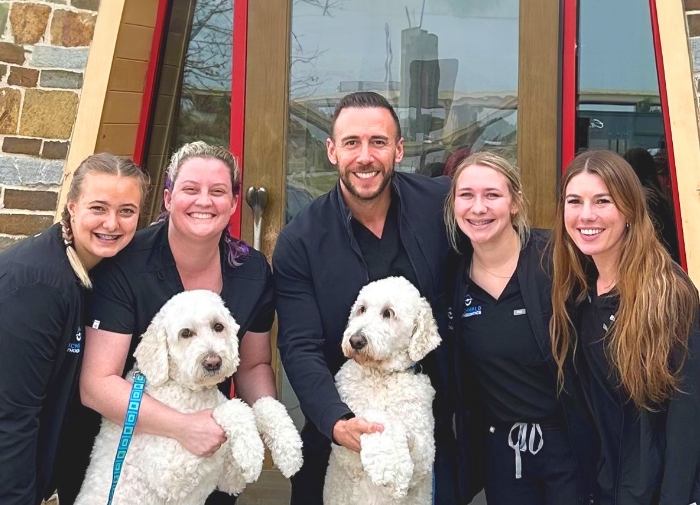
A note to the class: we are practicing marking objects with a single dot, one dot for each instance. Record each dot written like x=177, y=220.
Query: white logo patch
x=96, y=324
x=519, y=312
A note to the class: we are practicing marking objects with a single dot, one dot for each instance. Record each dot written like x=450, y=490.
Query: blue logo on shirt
x=74, y=347
x=472, y=311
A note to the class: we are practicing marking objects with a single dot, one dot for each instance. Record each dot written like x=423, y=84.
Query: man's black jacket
x=535, y=283
x=319, y=271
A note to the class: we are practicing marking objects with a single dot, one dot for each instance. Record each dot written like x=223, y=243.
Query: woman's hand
x=200, y=434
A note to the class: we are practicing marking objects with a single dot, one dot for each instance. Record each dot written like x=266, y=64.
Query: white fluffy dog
x=190, y=346
x=391, y=327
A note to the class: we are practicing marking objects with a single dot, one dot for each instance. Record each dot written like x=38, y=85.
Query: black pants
x=549, y=477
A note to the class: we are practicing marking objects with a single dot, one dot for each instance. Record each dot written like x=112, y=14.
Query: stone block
x=693, y=25
x=30, y=200
x=72, y=29
x=7, y=242
x=10, y=100
x=11, y=53
x=55, y=150
x=3, y=71
x=91, y=5
x=59, y=57
x=4, y=9
x=695, y=53
x=22, y=76
x=61, y=79
x=691, y=5
x=24, y=171
x=60, y=106
x=28, y=21
x=16, y=145
x=24, y=224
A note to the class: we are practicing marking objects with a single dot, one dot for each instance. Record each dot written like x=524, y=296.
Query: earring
x=628, y=225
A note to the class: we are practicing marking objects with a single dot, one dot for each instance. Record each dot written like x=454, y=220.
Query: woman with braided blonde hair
x=629, y=315
x=42, y=280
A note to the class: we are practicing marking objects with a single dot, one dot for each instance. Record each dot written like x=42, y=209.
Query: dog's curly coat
x=190, y=346
x=391, y=328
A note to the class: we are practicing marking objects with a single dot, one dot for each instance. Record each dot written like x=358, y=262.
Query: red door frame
x=570, y=92
x=238, y=72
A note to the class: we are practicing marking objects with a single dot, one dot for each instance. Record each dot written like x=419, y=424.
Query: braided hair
x=102, y=163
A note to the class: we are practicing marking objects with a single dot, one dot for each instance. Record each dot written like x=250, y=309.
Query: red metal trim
x=667, y=127
x=569, y=87
x=149, y=91
x=238, y=77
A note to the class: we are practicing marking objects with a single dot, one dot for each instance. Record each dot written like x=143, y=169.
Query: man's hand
x=346, y=432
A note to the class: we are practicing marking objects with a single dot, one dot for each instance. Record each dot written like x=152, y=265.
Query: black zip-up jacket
x=659, y=459
x=41, y=344
x=319, y=270
x=535, y=283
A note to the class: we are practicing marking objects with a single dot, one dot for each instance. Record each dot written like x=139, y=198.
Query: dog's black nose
x=212, y=363
x=358, y=341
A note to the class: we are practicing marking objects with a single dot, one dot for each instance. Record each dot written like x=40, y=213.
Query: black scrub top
x=515, y=382
x=41, y=340
x=614, y=413
x=385, y=256
x=132, y=287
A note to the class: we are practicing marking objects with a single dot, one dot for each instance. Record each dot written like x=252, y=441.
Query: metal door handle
x=257, y=199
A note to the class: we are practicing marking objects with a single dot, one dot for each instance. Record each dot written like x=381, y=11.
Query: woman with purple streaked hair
x=188, y=248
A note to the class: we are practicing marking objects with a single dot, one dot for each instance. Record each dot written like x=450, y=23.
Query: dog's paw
x=387, y=464
x=247, y=450
x=231, y=481
x=279, y=434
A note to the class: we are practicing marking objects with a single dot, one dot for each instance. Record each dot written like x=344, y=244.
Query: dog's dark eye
x=218, y=327
x=185, y=333
x=361, y=309
x=387, y=313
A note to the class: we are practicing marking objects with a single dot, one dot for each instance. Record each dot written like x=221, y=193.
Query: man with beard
x=375, y=223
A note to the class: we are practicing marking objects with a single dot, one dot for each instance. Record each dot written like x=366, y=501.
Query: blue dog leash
x=132, y=414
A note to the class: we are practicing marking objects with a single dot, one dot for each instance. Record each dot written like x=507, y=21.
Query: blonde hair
x=515, y=188
x=647, y=342
x=200, y=149
x=102, y=163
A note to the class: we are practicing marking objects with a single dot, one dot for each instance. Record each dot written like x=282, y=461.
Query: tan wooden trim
x=683, y=113
x=267, y=112
x=92, y=98
x=538, y=107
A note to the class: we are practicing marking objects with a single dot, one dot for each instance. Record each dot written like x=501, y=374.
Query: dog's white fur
x=378, y=384
x=158, y=470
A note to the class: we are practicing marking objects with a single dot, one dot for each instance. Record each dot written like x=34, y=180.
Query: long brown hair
x=647, y=342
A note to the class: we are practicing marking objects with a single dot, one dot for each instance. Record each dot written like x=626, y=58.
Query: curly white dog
x=190, y=346
x=391, y=328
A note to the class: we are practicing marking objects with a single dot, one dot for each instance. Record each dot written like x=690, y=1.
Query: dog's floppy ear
x=233, y=328
x=152, y=353
x=425, y=336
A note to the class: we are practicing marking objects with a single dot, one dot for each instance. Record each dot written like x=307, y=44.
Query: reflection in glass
x=449, y=68
x=619, y=105
x=193, y=98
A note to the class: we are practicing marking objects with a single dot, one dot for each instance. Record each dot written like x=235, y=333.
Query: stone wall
x=43, y=51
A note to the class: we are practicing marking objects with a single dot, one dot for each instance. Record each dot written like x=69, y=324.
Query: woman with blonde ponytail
x=41, y=332
x=630, y=317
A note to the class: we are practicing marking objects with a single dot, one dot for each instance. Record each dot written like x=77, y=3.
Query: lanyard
x=132, y=414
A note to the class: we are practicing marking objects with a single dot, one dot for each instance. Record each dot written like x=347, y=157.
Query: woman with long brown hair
x=633, y=316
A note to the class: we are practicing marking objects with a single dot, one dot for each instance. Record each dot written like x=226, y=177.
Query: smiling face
x=365, y=148
x=104, y=217
x=484, y=206
x=201, y=202
x=592, y=220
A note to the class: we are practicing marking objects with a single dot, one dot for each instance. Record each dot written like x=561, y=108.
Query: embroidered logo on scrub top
x=470, y=310
x=74, y=347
